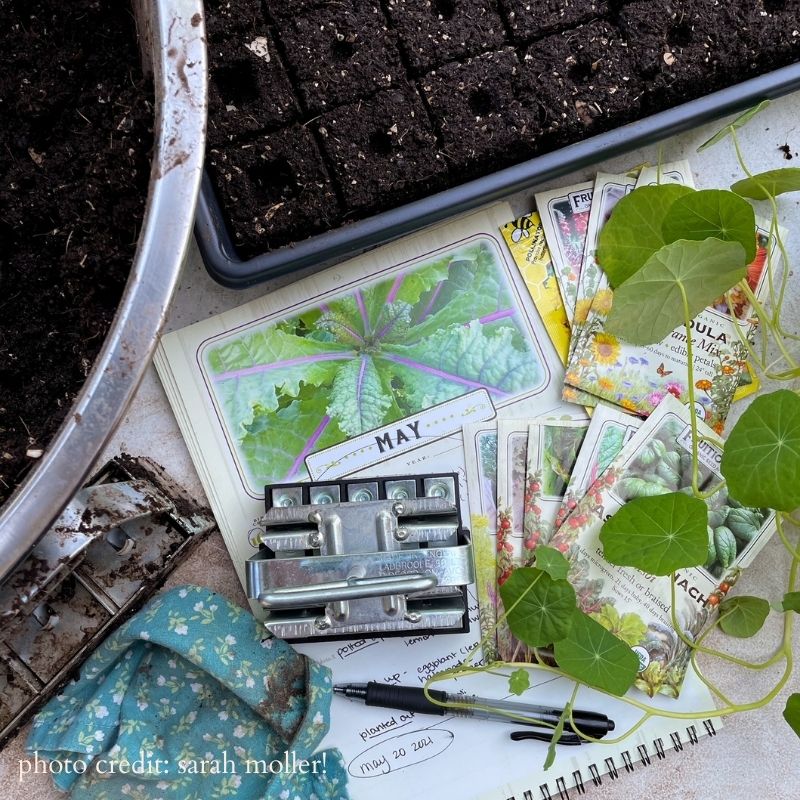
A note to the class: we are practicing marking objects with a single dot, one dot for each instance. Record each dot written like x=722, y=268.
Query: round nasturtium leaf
x=657, y=534
x=539, y=610
x=633, y=232
x=791, y=712
x=712, y=214
x=761, y=460
x=649, y=306
x=552, y=561
x=769, y=184
x=591, y=654
x=743, y=616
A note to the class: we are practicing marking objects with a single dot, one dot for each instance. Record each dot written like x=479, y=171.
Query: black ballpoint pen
x=410, y=698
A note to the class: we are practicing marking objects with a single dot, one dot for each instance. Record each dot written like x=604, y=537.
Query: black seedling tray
x=224, y=265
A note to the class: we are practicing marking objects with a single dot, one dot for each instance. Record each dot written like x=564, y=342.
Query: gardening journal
x=429, y=355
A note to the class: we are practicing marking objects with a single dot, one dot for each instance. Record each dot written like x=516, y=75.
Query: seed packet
x=553, y=447
x=526, y=241
x=609, y=430
x=480, y=457
x=609, y=189
x=512, y=449
x=637, y=377
x=565, y=216
x=636, y=606
x=673, y=172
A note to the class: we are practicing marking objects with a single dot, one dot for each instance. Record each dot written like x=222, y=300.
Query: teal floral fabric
x=189, y=700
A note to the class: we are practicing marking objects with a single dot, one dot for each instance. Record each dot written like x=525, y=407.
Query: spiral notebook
x=394, y=755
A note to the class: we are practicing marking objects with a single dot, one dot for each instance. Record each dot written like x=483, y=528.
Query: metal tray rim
x=175, y=31
x=327, y=248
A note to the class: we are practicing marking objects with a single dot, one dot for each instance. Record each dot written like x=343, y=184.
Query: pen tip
x=611, y=725
x=339, y=689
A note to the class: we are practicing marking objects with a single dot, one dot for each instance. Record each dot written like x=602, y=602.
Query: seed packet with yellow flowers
x=638, y=378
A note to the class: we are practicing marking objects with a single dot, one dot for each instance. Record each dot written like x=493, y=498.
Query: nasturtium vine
x=669, y=252
x=658, y=535
x=761, y=461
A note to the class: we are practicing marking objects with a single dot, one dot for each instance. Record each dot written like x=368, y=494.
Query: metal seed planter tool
x=113, y=545
x=362, y=558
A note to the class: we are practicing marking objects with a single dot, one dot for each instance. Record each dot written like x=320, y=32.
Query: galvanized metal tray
x=226, y=267
x=172, y=36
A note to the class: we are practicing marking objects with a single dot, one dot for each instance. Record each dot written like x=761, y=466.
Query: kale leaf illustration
x=369, y=358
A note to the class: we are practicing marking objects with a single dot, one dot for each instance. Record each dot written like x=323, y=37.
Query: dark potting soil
x=401, y=98
x=76, y=123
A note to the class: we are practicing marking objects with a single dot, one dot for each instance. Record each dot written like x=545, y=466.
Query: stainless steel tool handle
x=350, y=589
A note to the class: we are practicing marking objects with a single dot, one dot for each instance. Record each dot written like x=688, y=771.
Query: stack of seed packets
x=554, y=480
x=602, y=367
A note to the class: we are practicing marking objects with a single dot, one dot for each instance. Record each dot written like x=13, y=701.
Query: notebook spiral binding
x=643, y=756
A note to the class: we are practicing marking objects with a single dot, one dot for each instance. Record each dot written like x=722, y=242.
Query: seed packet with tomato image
x=565, y=216
x=553, y=447
x=609, y=430
x=635, y=606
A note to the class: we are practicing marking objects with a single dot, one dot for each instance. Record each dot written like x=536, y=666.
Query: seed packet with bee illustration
x=609, y=430
x=480, y=459
x=635, y=606
x=565, y=216
x=525, y=239
x=553, y=447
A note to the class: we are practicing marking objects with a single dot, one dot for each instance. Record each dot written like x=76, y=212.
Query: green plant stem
x=696, y=646
x=754, y=357
x=762, y=315
x=786, y=543
x=774, y=228
x=750, y=175
x=687, y=321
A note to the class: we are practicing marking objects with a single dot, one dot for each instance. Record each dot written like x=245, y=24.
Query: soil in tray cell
x=249, y=90
x=686, y=50
x=340, y=53
x=582, y=81
x=75, y=141
x=773, y=32
x=532, y=19
x=474, y=105
x=383, y=152
x=433, y=32
x=224, y=17
x=275, y=189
